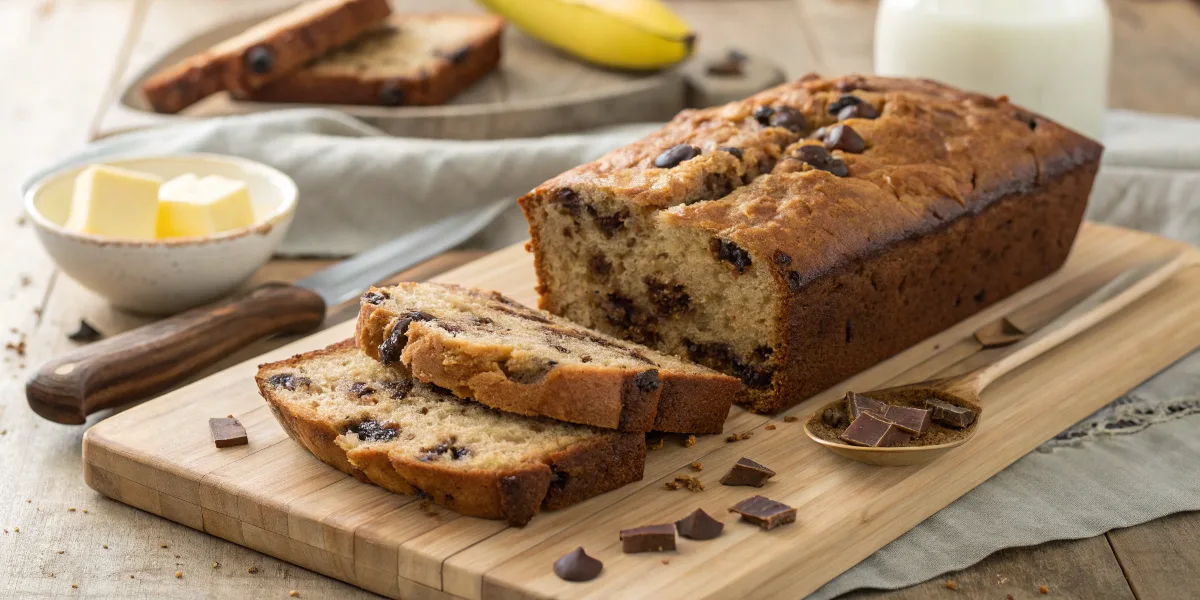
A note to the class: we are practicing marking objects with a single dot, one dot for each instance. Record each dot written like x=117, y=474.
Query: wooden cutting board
x=274, y=497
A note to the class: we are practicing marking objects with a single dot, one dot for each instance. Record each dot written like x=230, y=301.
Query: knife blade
x=147, y=360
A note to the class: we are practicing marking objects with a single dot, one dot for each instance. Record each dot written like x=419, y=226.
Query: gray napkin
x=1132, y=462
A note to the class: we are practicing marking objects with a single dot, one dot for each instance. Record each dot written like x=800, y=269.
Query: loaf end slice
x=489, y=348
x=420, y=59
x=380, y=425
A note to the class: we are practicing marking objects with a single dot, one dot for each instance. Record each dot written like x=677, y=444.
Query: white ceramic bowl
x=166, y=276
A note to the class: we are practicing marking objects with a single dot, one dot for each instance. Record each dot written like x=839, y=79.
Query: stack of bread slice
x=486, y=406
x=338, y=52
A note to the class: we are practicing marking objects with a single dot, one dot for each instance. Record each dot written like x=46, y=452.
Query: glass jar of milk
x=1050, y=56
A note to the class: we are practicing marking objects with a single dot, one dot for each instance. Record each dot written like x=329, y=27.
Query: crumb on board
x=1043, y=589
x=791, y=419
x=16, y=530
x=74, y=586
x=670, y=485
x=161, y=546
x=252, y=570
x=85, y=511
x=216, y=565
x=655, y=444
x=697, y=466
x=666, y=561
x=1009, y=597
x=178, y=574
x=73, y=509
x=693, y=484
x=769, y=427
x=737, y=437
x=294, y=594
x=105, y=546
x=951, y=584
x=689, y=441
x=60, y=551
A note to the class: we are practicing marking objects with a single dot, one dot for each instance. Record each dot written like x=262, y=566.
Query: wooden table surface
x=61, y=64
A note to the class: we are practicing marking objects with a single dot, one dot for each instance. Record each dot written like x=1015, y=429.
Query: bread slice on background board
x=381, y=426
x=415, y=59
x=489, y=348
x=265, y=52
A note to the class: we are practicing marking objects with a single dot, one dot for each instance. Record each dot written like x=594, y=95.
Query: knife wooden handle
x=140, y=362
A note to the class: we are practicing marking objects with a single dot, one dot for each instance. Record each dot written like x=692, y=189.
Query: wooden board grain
x=272, y=496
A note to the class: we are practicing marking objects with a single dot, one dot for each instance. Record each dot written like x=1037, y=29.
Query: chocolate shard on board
x=699, y=526
x=576, y=565
x=856, y=404
x=870, y=430
x=227, y=432
x=950, y=415
x=764, y=512
x=651, y=538
x=747, y=472
x=913, y=420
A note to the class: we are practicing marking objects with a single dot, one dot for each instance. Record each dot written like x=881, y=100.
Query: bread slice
x=419, y=59
x=267, y=51
x=484, y=346
x=379, y=425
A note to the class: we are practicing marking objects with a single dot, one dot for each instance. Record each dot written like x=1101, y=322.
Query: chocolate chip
x=288, y=381
x=747, y=472
x=699, y=525
x=789, y=119
x=360, y=389
x=818, y=157
x=764, y=512
x=85, y=333
x=576, y=565
x=371, y=431
x=675, y=155
x=794, y=281
x=650, y=538
x=842, y=137
x=375, y=297
x=609, y=224
x=391, y=94
x=562, y=349
x=861, y=110
x=667, y=299
x=781, y=258
x=736, y=152
x=763, y=114
x=457, y=453
x=585, y=358
x=648, y=381
x=457, y=56
x=731, y=253
x=260, y=59
x=845, y=101
x=569, y=200
x=398, y=389
x=392, y=346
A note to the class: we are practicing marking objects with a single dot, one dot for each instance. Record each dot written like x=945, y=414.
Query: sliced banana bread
x=484, y=346
x=416, y=59
x=802, y=235
x=380, y=425
x=264, y=52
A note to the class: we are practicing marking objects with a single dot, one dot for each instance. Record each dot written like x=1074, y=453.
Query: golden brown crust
x=263, y=53
x=439, y=78
x=598, y=464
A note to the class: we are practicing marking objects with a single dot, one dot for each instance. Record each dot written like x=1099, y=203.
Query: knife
x=141, y=362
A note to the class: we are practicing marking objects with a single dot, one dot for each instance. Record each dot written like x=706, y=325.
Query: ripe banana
x=625, y=34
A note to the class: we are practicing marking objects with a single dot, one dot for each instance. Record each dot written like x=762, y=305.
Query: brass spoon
x=964, y=390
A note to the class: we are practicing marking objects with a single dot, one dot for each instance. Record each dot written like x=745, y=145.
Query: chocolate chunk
x=371, y=431
x=85, y=333
x=820, y=133
x=667, y=299
x=736, y=152
x=391, y=94
x=845, y=101
x=781, y=258
x=227, y=432
x=950, y=415
x=576, y=565
x=260, y=59
x=609, y=224
x=763, y=114
x=764, y=512
x=569, y=200
x=818, y=157
x=674, y=156
x=288, y=381
x=393, y=345
x=375, y=297
x=862, y=110
x=789, y=119
x=398, y=389
x=361, y=389
x=912, y=420
x=648, y=381
x=833, y=418
x=870, y=430
x=699, y=526
x=651, y=538
x=731, y=253
x=457, y=56
x=747, y=472
x=842, y=137
x=856, y=404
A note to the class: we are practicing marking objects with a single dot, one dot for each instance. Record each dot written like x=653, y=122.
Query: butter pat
x=191, y=206
x=115, y=202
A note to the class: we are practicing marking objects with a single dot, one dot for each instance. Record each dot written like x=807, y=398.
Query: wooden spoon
x=964, y=390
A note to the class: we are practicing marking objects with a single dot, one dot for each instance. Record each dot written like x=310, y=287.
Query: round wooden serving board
x=535, y=91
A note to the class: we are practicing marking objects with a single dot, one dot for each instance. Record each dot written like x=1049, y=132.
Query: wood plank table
x=61, y=64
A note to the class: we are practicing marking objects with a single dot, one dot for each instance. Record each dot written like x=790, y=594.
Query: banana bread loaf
x=379, y=425
x=801, y=235
x=267, y=51
x=416, y=59
x=491, y=349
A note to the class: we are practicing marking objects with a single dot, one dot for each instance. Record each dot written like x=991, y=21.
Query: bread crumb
x=105, y=546
x=72, y=509
x=1009, y=597
x=21, y=221
x=693, y=484
x=85, y=511
x=176, y=556
x=162, y=546
x=252, y=570
x=60, y=551
x=178, y=574
x=5, y=532
x=655, y=444
x=216, y=565
x=131, y=576
x=666, y=561
x=294, y=594
x=737, y=437
x=769, y=427
x=951, y=584
x=697, y=466
x=1043, y=589
x=5, y=432
x=27, y=501
x=790, y=419
x=74, y=586
x=670, y=485
x=689, y=442
x=16, y=530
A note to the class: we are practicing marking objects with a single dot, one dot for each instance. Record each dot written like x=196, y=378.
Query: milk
x=1050, y=56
